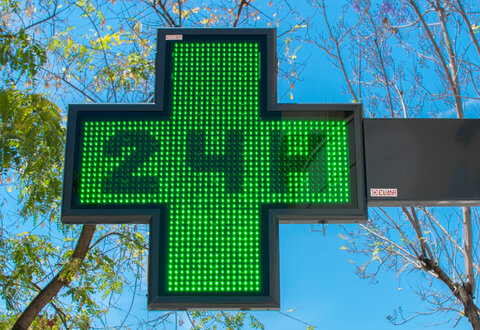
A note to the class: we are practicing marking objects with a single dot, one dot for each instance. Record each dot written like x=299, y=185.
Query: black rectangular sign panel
x=429, y=162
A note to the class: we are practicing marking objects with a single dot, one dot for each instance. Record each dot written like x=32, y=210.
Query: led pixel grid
x=213, y=162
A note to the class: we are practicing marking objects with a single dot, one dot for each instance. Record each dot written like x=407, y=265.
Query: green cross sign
x=213, y=166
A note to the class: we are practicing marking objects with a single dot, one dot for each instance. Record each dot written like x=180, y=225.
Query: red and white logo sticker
x=174, y=37
x=383, y=192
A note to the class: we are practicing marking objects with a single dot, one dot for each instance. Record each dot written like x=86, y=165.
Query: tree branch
x=407, y=255
x=339, y=55
x=58, y=282
x=240, y=7
x=469, y=26
x=467, y=227
x=412, y=217
x=440, y=55
x=165, y=13
x=400, y=231
x=451, y=58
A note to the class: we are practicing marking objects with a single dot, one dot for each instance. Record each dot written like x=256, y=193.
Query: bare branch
x=338, y=53
x=239, y=12
x=451, y=59
x=467, y=227
x=412, y=217
x=469, y=26
x=444, y=65
x=402, y=234
x=406, y=255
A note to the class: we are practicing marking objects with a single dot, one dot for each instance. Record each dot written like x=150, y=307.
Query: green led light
x=213, y=163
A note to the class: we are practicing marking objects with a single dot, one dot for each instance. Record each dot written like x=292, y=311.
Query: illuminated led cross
x=215, y=162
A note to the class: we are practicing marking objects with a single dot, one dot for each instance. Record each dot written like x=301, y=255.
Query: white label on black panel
x=174, y=37
x=383, y=192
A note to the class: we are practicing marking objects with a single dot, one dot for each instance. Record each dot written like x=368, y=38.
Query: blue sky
x=317, y=281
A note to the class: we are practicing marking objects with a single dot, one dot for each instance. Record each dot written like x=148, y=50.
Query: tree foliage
x=20, y=53
x=205, y=320
x=31, y=150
